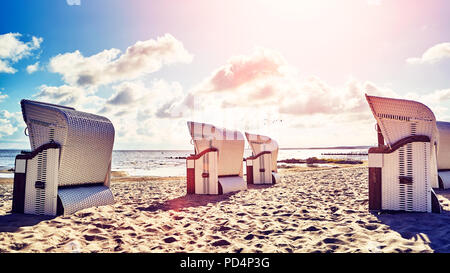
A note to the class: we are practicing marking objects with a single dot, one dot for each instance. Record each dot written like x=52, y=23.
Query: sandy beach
x=311, y=210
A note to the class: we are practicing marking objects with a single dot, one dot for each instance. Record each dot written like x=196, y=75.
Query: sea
x=168, y=163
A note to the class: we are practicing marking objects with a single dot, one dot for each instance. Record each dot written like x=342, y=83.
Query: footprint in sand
x=295, y=238
x=91, y=238
x=166, y=227
x=94, y=231
x=332, y=241
x=150, y=230
x=266, y=232
x=221, y=243
x=311, y=228
x=18, y=246
x=224, y=228
x=371, y=227
x=249, y=237
x=83, y=214
x=104, y=226
x=169, y=240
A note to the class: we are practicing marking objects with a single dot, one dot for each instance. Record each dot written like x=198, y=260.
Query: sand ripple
x=314, y=211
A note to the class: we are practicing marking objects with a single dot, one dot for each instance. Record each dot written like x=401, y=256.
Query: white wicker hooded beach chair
x=402, y=172
x=216, y=166
x=262, y=165
x=69, y=166
x=443, y=154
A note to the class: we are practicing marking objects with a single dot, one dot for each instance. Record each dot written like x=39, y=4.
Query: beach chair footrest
x=276, y=178
x=444, y=179
x=77, y=198
x=232, y=183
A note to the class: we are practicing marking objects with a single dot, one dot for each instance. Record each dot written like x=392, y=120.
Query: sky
x=294, y=70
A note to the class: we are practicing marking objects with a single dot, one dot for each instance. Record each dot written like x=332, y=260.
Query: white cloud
x=432, y=55
x=9, y=122
x=136, y=108
x=6, y=128
x=33, y=68
x=263, y=79
x=241, y=70
x=63, y=95
x=435, y=97
x=133, y=107
x=6, y=68
x=73, y=2
x=315, y=96
x=256, y=97
x=109, y=66
x=130, y=96
x=3, y=97
x=438, y=101
x=12, y=50
x=136, y=111
x=251, y=91
x=255, y=80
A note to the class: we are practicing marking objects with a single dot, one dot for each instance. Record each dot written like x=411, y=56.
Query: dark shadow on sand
x=194, y=200
x=187, y=201
x=13, y=221
x=259, y=186
x=436, y=226
x=443, y=193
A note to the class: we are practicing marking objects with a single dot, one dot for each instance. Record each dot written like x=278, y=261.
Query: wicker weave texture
x=403, y=162
x=398, y=119
x=402, y=118
x=42, y=168
x=86, y=141
x=78, y=198
x=232, y=184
